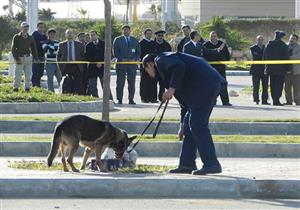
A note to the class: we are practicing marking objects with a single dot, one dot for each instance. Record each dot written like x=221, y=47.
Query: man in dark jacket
x=38, y=68
x=224, y=55
x=257, y=72
x=161, y=45
x=95, y=52
x=195, y=46
x=186, y=30
x=196, y=85
x=276, y=50
x=148, y=85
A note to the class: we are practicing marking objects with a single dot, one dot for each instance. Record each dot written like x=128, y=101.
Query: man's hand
x=181, y=132
x=98, y=65
x=168, y=94
x=221, y=47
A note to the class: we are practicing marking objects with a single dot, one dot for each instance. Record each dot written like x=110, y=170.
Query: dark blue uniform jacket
x=192, y=77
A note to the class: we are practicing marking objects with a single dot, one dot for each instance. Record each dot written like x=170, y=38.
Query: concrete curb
x=164, y=149
x=52, y=107
x=147, y=187
x=217, y=128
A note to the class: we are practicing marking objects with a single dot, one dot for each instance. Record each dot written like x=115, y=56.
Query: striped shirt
x=50, y=48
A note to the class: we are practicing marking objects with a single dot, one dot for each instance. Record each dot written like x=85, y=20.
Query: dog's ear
x=130, y=140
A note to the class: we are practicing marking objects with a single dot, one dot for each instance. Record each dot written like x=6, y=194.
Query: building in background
x=203, y=10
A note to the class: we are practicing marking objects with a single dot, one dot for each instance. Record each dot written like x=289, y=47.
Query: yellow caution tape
x=137, y=62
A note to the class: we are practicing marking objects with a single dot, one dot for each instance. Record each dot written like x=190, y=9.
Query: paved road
x=233, y=168
x=147, y=204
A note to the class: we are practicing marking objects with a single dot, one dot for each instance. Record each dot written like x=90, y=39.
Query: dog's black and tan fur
x=94, y=135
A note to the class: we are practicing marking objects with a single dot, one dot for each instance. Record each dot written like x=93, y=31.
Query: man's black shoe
x=278, y=104
x=208, y=170
x=120, y=102
x=132, y=102
x=15, y=89
x=181, y=171
x=227, y=104
x=288, y=103
x=265, y=103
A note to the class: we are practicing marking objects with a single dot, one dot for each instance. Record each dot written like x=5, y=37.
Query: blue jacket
x=192, y=77
x=40, y=39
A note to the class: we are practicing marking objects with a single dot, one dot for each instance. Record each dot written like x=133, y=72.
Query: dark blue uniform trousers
x=122, y=71
x=197, y=135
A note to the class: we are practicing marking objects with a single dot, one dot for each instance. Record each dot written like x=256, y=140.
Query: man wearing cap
x=50, y=48
x=161, y=45
x=190, y=80
x=276, y=50
x=148, y=85
x=24, y=51
x=186, y=30
x=126, y=48
x=38, y=68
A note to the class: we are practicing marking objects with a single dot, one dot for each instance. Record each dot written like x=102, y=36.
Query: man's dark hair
x=296, y=36
x=193, y=34
x=125, y=26
x=93, y=31
x=185, y=26
x=81, y=33
x=146, y=30
x=40, y=23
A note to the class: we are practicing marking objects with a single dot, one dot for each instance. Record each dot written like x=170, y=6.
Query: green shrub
x=233, y=38
x=38, y=95
x=115, y=31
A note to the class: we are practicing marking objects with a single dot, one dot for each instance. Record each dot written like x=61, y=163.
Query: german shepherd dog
x=93, y=135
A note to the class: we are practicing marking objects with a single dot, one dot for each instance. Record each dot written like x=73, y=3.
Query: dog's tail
x=54, y=145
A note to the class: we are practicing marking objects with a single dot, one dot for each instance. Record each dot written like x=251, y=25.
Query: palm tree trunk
x=107, y=61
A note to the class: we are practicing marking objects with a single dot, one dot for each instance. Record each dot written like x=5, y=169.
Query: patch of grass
x=245, y=67
x=38, y=95
x=5, y=79
x=249, y=90
x=3, y=65
x=143, y=119
x=174, y=138
x=42, y=166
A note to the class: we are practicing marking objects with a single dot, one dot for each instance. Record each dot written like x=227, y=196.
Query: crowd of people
x=41, y=51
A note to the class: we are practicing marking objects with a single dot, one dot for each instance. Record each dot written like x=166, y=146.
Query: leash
x=151, y=121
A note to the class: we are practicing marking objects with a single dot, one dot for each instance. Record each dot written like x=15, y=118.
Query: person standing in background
x=95, y=53
x=161, y=45
x=71, y=50
x=24, y=51
x=292, y=78
x=38, y=68
x=148, y=85
x=186, y=30
x=257, y=72
x=224, y=55
x=126, y=48
x=195, y=46
x=276, y=50
x=50, y=48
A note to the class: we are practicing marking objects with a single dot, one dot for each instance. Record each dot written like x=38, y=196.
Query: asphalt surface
x=147, y=204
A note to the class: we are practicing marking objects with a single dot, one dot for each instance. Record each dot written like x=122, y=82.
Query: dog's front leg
x=101, y=166
x=86, y=155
